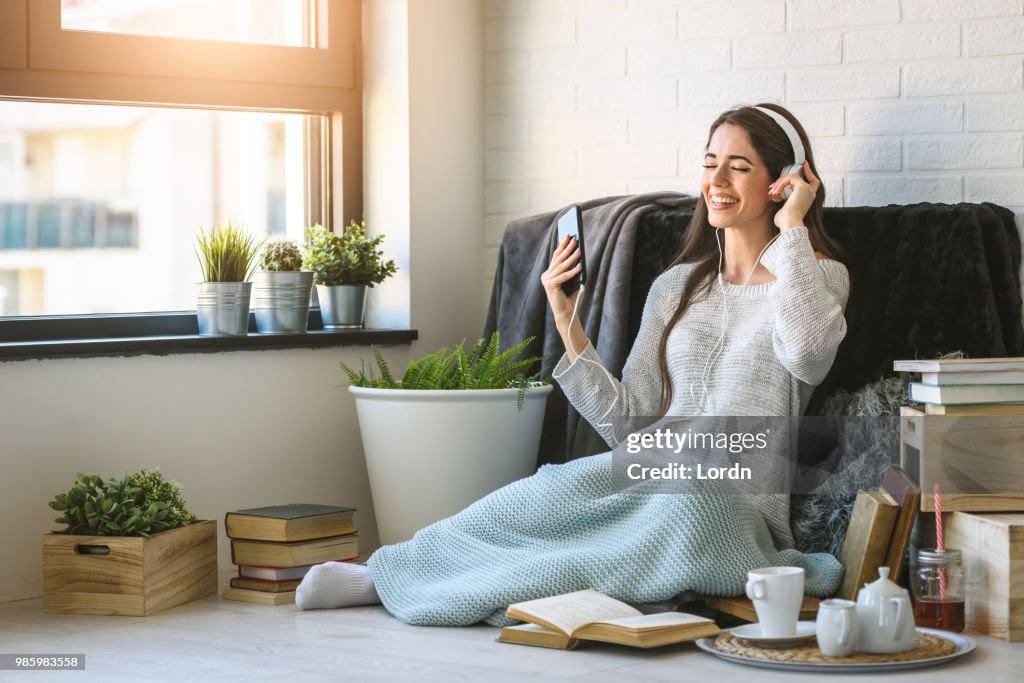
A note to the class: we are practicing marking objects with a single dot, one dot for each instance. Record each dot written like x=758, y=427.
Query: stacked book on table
x=967, y=386
x=275, y=546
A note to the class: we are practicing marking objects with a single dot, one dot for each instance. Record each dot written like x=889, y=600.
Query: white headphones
x=799, y=156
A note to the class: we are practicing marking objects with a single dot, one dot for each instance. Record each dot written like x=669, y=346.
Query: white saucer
x=805, y=631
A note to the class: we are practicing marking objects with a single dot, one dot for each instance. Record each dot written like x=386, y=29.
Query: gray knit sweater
x=780, y=340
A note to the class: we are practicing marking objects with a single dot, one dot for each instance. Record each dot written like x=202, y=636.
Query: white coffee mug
x=837, y=628
x=777, y=593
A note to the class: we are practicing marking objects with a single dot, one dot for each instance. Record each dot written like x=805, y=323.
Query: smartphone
x=571, y=223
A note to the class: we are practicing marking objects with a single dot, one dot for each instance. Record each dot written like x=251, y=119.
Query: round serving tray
x=963, y=645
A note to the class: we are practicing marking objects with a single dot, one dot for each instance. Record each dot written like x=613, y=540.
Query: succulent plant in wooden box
x=129, y=547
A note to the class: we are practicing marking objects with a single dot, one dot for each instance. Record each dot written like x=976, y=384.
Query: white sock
x=336, y=584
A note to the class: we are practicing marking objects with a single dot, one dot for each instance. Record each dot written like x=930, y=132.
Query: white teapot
x=885, y=615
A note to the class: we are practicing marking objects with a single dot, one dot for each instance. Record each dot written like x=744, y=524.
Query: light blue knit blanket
x=566, y=528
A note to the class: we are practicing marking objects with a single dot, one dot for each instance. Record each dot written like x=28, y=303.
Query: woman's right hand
x=563, y=267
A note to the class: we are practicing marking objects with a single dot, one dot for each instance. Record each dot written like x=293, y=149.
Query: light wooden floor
x=218, y=640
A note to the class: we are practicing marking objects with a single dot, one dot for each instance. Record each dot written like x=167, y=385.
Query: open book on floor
x=562, y=620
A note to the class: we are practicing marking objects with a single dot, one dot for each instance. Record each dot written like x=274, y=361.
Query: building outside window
x=98, y=199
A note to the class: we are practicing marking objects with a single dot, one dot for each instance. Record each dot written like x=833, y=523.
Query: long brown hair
x=699, y=241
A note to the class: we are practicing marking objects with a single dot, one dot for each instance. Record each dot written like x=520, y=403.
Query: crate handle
x=911, y=427
x=83, y=549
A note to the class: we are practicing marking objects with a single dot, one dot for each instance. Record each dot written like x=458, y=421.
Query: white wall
x=447, y=170
x=906, y=100
x=386, y=174
x=238, y=430
x=424, y=168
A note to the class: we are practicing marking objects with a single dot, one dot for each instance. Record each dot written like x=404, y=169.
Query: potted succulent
x=470, y=423
x=281, y=289
x=227, y=257
x=129, y=547
x=343, y=267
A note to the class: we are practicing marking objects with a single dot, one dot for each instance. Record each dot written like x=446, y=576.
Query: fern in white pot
x=457, y=426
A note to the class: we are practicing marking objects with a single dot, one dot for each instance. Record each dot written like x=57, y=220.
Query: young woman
x=746, y=322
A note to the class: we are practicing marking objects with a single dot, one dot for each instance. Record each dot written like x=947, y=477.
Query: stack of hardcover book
x=967, y=386
x=275, y=546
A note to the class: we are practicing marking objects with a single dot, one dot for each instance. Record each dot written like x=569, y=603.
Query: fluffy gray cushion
x=866, y=449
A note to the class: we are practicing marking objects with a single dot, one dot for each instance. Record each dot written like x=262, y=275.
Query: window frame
x=55, y=48
x=39, y=61
x=14, y=46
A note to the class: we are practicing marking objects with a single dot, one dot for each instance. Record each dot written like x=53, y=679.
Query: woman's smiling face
x=735, y=180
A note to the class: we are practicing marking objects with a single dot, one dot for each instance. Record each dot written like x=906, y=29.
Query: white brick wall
x=905, y=100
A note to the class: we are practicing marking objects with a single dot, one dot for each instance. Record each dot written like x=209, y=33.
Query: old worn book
x=265, y=586
x=272, y=573
x=289, y=523
x=974, y=409
x=867, y=540
x=959, y=365
x=744, y=607
x=952, y=394
x=590, y=615
x=261, y=597
x=991, y=377
x=898, y=484
x=267, y=554
x=536, y=635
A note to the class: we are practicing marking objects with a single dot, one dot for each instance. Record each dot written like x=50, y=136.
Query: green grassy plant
x=226, y=254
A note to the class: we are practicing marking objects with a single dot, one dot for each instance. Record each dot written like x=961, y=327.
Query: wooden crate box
x=135, y=576
x=978, y=460
x=993, y=557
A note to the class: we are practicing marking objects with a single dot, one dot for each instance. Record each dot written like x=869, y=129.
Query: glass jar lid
x=933, y=556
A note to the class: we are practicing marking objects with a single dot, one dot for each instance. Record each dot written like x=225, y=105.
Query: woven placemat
x=926, y=646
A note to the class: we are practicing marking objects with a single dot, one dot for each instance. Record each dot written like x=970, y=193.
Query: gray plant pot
x=222, y=308
x=342, y=306
x=280, y=301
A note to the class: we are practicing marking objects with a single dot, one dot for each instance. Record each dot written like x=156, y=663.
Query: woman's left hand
x=793, y=211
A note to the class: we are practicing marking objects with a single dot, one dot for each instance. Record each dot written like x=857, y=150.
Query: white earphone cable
x=712, y=358
x=611, y=380
x=720, y=346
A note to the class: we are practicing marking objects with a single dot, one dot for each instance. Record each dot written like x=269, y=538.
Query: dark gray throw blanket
x=925, y=279
x=519, y=307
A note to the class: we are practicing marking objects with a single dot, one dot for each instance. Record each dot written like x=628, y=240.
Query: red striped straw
x=938, y=541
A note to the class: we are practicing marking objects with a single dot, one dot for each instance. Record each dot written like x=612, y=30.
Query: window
x=100, y=198
x=126, y=125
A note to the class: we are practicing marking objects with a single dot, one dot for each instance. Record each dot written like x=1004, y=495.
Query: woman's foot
x=336, y=584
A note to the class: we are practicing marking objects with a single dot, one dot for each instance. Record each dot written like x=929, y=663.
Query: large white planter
x=429, y=454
